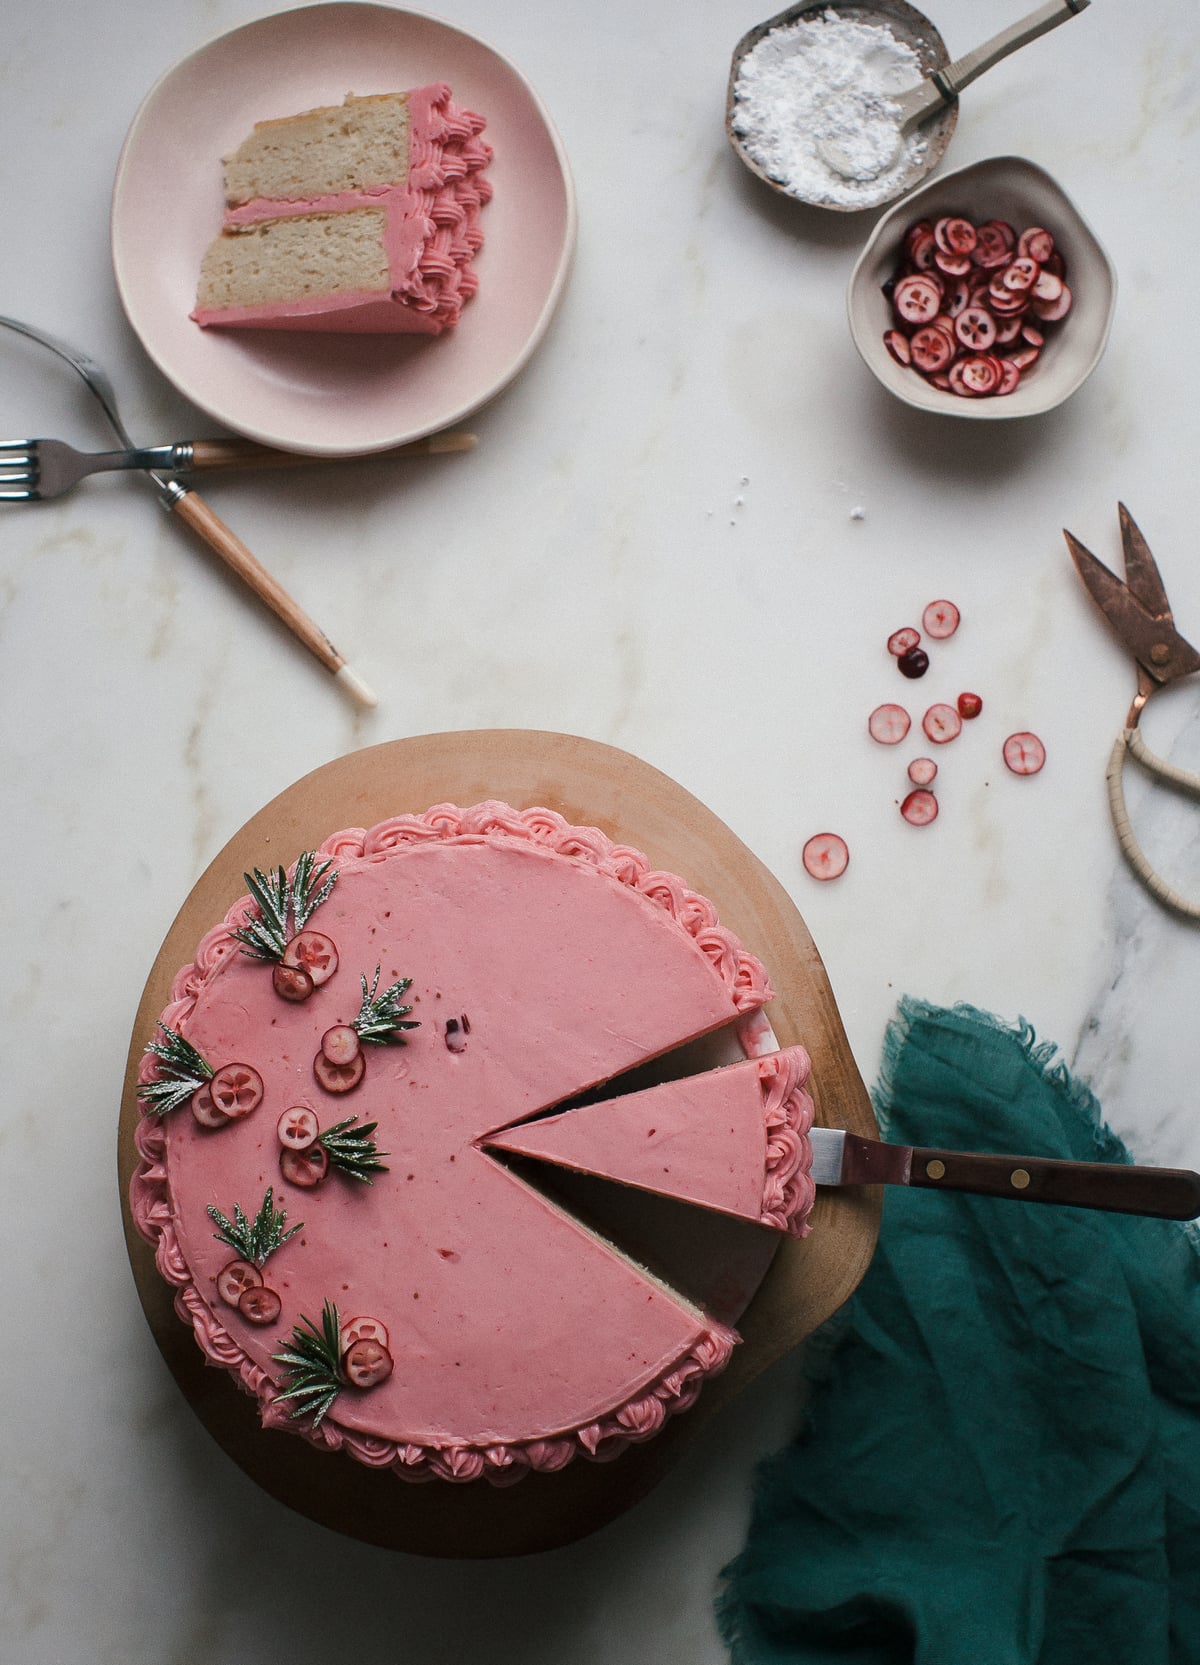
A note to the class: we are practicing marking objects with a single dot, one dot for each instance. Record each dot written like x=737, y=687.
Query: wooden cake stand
x=805, y=1282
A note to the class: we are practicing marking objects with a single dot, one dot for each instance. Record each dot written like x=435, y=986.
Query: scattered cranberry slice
x=914, y=663
x=941, y=723
x=260, y=1306
x=922, y=771
x=292, y=982
x=888, y=724
x=825, y=856
x=1024, y=753
x=234, y=1278
x=339, y=1078
x=313, y=952
x=341, y=1044
x=919, y=808
x=304, y=1168
x=363, y=1328
x=969, y=705
x=901, y=640
x=941, y=619
x=366, y=1363
x=298, y=1127
x=236, y=1089
x=205, y=1111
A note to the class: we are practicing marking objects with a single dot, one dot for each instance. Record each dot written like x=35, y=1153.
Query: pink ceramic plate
x=336, y=395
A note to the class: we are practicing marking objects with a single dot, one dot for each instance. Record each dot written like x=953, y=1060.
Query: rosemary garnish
x=183, y=1072
x=354, y=1153
x=266, y=938
x=254, y=1240
x=381, y=1017
x=314, y=1365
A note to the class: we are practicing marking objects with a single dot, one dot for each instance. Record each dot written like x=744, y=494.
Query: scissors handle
x=1130, y=740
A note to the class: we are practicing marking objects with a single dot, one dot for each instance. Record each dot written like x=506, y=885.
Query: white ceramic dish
x=336, y=395
x=1012, y=189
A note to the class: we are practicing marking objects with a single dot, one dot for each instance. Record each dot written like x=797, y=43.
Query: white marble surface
x=653, y=545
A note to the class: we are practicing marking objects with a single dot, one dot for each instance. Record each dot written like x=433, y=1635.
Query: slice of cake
x=362, y=217
x=315, y=1097
x=734, y=1139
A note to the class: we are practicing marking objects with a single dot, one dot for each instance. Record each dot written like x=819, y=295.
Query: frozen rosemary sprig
x=353, y=1152
x=183, y=1073
x=381, y=1016
x=277, y=896
x=313, y=1363
x=254, y=1239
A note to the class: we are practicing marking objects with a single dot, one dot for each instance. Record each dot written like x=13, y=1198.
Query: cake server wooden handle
x=245, y=453
x=1116, y=1188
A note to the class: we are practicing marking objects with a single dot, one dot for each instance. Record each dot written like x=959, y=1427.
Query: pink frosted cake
x=360, y=217
x=314, y=1171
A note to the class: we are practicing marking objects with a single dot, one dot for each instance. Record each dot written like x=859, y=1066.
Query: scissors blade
x=1154, y=642
x=1141, y=569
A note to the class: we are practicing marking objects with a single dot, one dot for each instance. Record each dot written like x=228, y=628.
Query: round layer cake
x=315, y=1173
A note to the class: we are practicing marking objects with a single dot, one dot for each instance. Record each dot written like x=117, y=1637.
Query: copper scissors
x=1140, y=614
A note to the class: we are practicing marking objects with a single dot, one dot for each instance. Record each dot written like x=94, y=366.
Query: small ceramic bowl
x=1005, y=188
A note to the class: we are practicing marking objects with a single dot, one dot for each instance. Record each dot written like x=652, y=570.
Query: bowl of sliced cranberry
x=983, y=294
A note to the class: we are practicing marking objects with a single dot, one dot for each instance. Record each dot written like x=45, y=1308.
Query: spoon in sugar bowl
x=822, y=103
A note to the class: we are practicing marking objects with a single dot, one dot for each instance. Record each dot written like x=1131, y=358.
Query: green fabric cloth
x=1000, y=1463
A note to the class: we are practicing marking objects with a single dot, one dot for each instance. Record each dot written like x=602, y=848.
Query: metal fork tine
x=18, y=496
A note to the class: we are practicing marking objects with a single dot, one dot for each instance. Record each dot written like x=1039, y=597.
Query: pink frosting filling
x=520, y=1339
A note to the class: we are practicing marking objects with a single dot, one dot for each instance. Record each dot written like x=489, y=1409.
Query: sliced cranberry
x=915, y=233
x=980, y=374
x=924, y=252
x=339, y=1078
x=260, y=1306
x=1008, y=329
x=341, y=1044
x=922, y=771
x=234, y=1278
x=940, y=620
x=913, y=664
x=825, y=856
x=1020, y=274
x=994, y=243
x=888, y=724
x=1030, y=333
x=455, y=1035
x=919, y=808
x=976, y=328
x=313, y=952
x=297, y=1128
x=900, y=641
x=1026, y=358
x=953, y=265
x=918, y=299
x=942, y=724
x=1037, y=243
x=205, y=1111
x=1047, y=287
x=304, y=1168
x=1024, y=753
x=367, y=1363
x=292, y=982
x=1051, y=311
x=955, y=235
x=969, y=706
x=1009, y=377
x=931, y=349
x=363, y=1328
x=237, y=1089
x=958, y=298
x=897, y=345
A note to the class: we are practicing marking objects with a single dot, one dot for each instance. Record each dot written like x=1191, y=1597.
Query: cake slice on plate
x=733, y=1139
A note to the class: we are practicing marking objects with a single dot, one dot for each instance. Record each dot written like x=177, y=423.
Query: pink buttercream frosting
x=520, y=1339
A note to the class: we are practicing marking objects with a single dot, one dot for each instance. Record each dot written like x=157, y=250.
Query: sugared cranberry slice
x=304, y=1168
x=941, y=723
x=313, y=952
x=888, y=724
x=364, y=1328
x=922, y=771
x=366, y=1363
x=901, y=640
x=341, y=1044
x=940, y=619
x=825, y=856
x=292, y=982
x=260, y=1306
x=205, y=1111
x=236, y=1089
x=919, y=808
x=969, y=706
x=913, y=664
x=297, y=1128
x=339, y=1078
x=235, y=1278
x=1024, y=753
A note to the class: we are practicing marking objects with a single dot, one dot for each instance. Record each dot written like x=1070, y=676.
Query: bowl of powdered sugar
x=811, y=103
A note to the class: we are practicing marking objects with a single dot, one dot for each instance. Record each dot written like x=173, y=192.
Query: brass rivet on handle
x=1159, y=653
x=1019, y=1178
x=936, y=1169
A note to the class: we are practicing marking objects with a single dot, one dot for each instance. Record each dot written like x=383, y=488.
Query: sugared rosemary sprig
x=381, y=1016
x=277, y=896
x=254, y=1239
x=353, y=1152
x=183, y=1073
x=313, y=1365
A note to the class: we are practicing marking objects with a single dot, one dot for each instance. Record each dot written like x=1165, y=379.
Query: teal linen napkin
x=1001, y=1458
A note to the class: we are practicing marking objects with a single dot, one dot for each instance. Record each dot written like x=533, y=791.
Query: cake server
x=841, y=1158
x=191, y=508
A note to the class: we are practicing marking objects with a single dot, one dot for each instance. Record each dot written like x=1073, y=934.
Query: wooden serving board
x=806, y=1281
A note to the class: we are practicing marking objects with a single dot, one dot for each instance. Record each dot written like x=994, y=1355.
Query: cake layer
x=544, y=959
x=361, y=144
x=733, y=1139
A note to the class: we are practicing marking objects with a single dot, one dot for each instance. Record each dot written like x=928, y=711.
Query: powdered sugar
x=826, y=86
